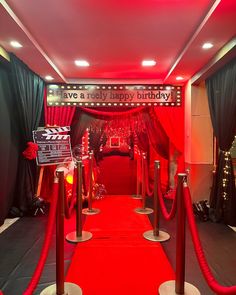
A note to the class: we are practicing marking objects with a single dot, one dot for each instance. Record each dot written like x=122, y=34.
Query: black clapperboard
x=53, y=147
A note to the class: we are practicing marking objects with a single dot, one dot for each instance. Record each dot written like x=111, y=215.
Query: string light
x=226, y=174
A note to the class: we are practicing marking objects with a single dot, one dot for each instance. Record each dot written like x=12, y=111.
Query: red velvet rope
x=112, y=114
x=148, y=190
x=167, y=215
x=69, y=206
x=47, y=239
x=213, y=284
x=139, y=168
x=93, y=174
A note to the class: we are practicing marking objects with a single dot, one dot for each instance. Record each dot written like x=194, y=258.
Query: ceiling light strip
x=31, y=38
x=199, y=28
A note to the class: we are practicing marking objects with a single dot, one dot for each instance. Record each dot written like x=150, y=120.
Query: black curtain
x=96, y=132
x=221, y=89
x=9, y=138
x=152, y=132
x=28, y=91
x=96, y=139
x=79, y=125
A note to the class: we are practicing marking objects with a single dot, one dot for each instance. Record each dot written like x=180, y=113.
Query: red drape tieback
x=30, y=152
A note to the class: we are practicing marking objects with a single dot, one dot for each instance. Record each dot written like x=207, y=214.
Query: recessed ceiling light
x=49, y=78
x=81, y=63
x=148, y=63
x=207, y=45
x=178, y=78
x=15, y=44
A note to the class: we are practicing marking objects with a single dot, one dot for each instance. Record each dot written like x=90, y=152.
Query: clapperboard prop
x=54, y=147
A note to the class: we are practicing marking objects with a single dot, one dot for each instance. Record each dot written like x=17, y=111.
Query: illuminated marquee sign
x=113, y=95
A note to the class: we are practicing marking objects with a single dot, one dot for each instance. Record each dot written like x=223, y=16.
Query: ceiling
x=114, y=36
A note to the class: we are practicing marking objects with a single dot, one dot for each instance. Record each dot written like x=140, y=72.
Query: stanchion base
x=69, y=288
x=73, y=238
x=143, y=210
x=137, y=197
x=162, y=237
x=92, y=211
x=168, y=288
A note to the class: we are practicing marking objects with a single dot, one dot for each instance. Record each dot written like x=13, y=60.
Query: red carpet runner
x=118, y=260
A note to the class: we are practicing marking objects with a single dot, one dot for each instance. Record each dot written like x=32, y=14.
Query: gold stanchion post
x=79, y=235
x=144, y=209
x=137, y=196
x=179, y=286
x=156, y=235
x=61, y=288
x=90, y=210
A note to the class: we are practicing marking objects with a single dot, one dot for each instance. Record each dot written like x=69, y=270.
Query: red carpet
x=117, y=260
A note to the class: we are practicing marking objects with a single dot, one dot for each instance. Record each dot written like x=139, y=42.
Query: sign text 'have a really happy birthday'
x=113, y=95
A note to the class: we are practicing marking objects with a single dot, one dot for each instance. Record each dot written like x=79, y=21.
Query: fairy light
x=226, y=174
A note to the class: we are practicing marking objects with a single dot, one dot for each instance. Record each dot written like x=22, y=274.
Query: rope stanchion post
x=61, y=288
x=144, y=209
x=60, y=236
x=90, y=210
x=137, y=196
x=156, y=235
x=179, y=286
x=79, y=235
x=180, y=237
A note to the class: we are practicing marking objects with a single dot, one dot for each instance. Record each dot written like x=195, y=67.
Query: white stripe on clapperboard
x=57, y=130
x=50, y=131
x=54, y=137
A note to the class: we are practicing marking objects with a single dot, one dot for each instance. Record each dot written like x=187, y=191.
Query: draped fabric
x=172, y=121
x=156, y=134
x=80, y=124
x=221, y=89
x=153, y=131
x=54, y=116
x=144, y=126
x=9, y=138
x=111, y=114
x=28, y=91
x=59, y=116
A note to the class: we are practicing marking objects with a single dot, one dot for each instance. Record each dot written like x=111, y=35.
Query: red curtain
x=54, y=116
x=172, y=121
x=59, y=116
x=111, y=114
x=168, y=120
